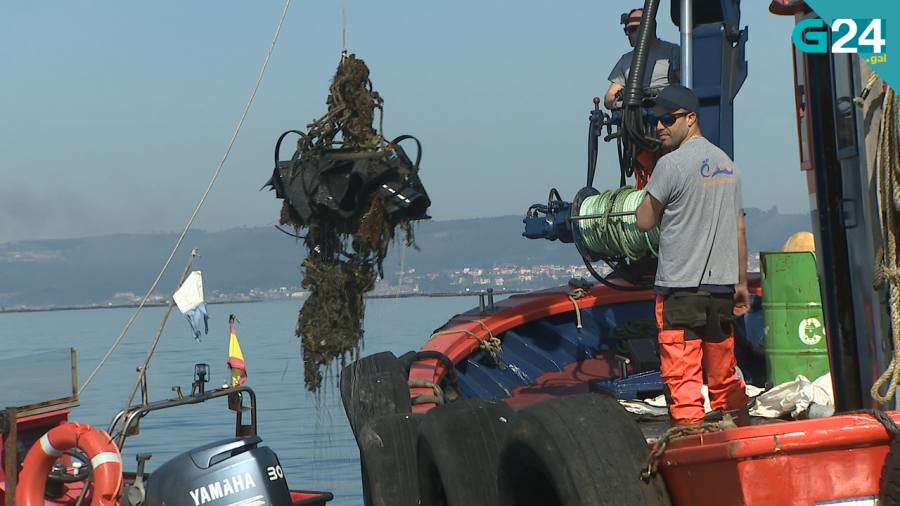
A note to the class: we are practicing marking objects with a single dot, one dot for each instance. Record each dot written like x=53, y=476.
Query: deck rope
x=651, y=465
x=888, y=191
x=615, y=236
x=574, y=295
x=202, y=200
x=492, y=345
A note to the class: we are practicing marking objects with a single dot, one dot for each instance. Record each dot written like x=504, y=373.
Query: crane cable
x=202, y=200
x=888, y=271
x=344, y=28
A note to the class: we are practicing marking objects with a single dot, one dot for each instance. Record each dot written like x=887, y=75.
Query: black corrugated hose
x=632, y=120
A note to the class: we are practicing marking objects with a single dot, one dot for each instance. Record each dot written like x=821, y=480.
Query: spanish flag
x=236, y=358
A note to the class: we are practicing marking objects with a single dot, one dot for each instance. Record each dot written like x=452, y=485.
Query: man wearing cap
x=663, y=67
x=694, y=196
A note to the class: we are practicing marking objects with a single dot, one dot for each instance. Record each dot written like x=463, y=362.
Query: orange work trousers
x=683, y=362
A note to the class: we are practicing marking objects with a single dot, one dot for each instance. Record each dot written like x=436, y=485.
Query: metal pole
x=687, y=43
x=120, y=438
x=10, y=461
x=610, y=215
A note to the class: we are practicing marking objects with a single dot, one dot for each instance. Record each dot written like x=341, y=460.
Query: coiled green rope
x=615, y=236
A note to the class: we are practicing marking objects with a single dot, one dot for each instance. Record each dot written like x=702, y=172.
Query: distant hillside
x=93, y=270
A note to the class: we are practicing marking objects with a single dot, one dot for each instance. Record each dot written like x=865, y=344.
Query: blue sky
x=115, y=115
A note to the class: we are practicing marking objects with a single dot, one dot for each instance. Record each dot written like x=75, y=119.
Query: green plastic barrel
x=792, y=314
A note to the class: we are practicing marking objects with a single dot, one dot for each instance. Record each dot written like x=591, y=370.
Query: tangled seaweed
x=351, y=190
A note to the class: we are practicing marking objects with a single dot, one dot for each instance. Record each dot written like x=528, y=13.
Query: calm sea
x=309, y=432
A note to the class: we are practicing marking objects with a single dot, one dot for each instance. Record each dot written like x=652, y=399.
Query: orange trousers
x=683, y=363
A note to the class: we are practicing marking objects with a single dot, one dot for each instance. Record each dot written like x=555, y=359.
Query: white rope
x=574, y=295
x=888, y=190
x=202, y=200
x=861, y=99
x=492, y=345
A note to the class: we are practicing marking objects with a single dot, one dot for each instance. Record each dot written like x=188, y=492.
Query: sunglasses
x=631, y=29
x=668, y=119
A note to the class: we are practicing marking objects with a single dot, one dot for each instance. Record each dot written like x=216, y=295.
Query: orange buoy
x=99, y=447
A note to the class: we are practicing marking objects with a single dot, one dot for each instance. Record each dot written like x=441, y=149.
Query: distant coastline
x=404, y=295
x=107, y=306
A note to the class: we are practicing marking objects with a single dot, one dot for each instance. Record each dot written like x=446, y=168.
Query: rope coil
x=615, y=236
x=888, y=191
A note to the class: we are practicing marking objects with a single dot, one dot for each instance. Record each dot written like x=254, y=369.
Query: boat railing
x=235, y=395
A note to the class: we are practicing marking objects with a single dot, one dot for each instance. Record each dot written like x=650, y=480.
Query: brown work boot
x=740, y=416
x=683, y=423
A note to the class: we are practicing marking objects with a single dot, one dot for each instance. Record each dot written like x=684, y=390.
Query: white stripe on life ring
x=48, y=447
x=105, y=458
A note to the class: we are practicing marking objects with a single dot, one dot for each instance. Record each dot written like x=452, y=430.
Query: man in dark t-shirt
x=663, y=61
x=694, y=196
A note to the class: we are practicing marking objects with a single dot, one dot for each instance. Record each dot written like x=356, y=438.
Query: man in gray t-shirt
x=663, y=67
x=694, y=196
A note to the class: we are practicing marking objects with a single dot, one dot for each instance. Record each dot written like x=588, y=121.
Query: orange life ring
x=99, y=447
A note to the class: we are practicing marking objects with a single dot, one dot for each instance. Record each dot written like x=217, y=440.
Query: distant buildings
x=411, y=282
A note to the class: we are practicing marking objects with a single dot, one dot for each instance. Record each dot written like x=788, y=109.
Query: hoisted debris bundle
x=350, y=195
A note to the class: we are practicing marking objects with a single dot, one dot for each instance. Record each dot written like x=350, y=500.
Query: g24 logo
x=844, y=30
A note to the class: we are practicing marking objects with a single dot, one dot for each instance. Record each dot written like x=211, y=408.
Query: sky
x=115, y=115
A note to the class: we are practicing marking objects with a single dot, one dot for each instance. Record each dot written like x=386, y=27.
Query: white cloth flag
x=190, y=294
x=189, y=299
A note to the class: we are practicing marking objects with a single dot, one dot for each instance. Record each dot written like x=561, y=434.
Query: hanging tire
x=387, y=454
x=458, y=450
x=577, y=450
x=889, y=489
x=373, y=387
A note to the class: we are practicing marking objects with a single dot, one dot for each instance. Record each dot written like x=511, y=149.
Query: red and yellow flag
x=236, y=360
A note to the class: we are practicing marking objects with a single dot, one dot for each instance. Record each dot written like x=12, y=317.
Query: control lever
x=135, y=494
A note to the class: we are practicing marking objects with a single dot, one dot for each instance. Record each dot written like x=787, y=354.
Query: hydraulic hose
x=635, y=137
x=634, y=85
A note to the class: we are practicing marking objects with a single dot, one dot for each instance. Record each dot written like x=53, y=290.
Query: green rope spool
x=615, y=236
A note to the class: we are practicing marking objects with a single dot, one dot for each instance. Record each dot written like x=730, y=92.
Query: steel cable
x=196, y=211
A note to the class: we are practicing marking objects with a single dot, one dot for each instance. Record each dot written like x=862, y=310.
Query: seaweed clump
x=350, y=190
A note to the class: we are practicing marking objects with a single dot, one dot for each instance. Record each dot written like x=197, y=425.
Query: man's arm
x=649, y=213
x=610, y=98
x=741, y=293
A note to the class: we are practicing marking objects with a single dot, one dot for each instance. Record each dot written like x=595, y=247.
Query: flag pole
x=142, y=371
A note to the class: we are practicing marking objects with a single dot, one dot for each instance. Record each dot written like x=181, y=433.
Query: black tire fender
x=889, y=486
x=576, y=450
x=373, y=387
x=387, y=454
x=457, y=452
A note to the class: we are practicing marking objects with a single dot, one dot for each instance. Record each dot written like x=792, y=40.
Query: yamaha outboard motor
x=233, y=469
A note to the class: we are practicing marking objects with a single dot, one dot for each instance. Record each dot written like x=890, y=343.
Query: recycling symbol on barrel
x=811, y=331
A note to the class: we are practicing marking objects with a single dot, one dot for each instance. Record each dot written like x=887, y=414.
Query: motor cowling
x=231, y=471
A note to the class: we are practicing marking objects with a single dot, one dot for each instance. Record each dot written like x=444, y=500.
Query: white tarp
x=792, y=397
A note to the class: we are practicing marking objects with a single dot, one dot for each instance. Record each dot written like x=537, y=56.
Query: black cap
x=675, y=96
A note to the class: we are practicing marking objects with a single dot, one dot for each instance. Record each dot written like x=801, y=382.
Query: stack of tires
x=576, y=450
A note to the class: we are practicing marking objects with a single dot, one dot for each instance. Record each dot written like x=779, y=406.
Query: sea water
x=308, y=432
